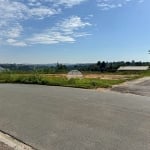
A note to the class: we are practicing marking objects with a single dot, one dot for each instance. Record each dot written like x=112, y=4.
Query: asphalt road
x=138, y=87
x=57, y=118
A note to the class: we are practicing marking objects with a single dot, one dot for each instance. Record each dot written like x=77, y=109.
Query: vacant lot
x=88, y=81
x=98, y=75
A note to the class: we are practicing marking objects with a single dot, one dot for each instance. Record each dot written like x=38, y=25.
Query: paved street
x=138, y=87
x=58, y=118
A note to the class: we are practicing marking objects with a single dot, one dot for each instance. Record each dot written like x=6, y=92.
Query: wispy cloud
x=14, y=12
x=69, y=3
x=71, y=24
x=111, y=4
x=14, y=42
x=12, y=30
x=64, y=31
x=141, y=1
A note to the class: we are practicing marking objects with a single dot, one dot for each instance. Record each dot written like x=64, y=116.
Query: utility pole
x=149, y=53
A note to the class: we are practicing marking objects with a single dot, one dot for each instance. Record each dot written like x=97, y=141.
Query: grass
x=86, y=83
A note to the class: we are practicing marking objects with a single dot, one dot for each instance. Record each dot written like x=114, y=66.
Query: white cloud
x=11, y=30
x=14, y=12
x=41, y=12
x=69, y=3
x=50, y=38
x=71, y=24
x=18, y=10
x=65, y=31
x=14, y=42
x=111, y=4
x=14, y=32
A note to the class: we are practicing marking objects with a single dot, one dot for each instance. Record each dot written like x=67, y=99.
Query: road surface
x=138, y=87
x=58, y=118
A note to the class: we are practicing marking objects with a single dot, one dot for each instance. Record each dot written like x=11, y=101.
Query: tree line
x=100, y=66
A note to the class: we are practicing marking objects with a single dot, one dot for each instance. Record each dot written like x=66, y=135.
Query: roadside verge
x=13, y=143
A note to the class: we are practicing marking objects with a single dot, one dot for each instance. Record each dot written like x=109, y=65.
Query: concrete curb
x=13, y=143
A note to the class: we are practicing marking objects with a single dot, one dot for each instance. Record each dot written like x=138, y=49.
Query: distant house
x=74, y=74
x=133, y=68
x=2, y=69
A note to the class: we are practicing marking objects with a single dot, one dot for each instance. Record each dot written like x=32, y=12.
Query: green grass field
x=88, y=83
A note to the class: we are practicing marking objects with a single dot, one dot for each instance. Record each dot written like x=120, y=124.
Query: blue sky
x=74, y=31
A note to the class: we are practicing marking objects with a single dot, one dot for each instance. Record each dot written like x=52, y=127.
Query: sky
x=74, y=31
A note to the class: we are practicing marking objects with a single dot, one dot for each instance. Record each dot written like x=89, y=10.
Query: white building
x=74, y=74
x=133, y=68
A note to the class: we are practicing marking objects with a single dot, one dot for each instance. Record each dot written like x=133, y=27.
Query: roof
x=74, y=74
x=133, y=68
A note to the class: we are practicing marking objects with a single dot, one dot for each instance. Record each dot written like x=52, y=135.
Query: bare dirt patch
x=106, y=76
x=92, y=76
